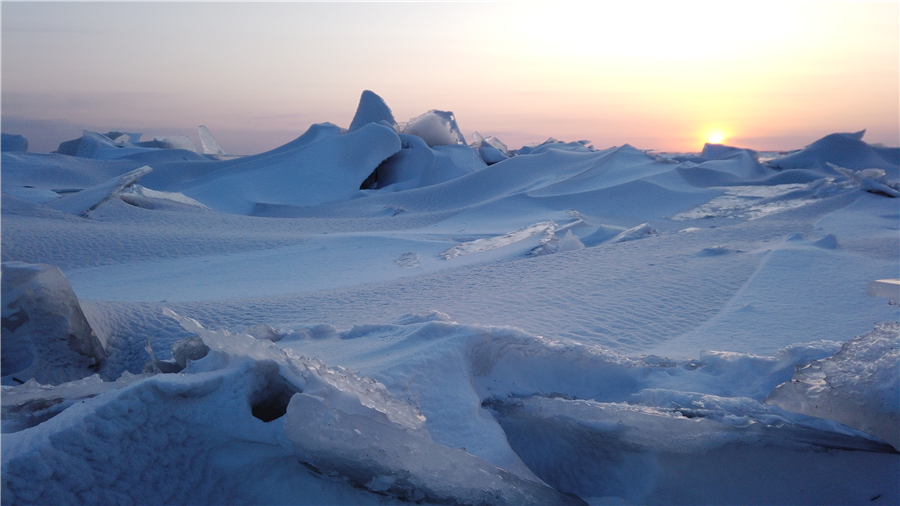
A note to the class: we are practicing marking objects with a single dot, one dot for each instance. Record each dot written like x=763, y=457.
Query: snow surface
x=383, y=314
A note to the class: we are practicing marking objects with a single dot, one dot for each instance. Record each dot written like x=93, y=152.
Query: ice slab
x=393, y=460
x=858, y=386
x=490, y=243
x=139, y=196
x=88, y=199
x=210, y=144
x=887, y=288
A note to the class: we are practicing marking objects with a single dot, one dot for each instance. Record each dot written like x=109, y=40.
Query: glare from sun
x=715, y=138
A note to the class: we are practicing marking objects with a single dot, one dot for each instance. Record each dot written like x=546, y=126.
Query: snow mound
x=116, y=145
x=409, y=260
x=45, y=334
x=842, y=149
x=342, y=387
x=417, y=165
x=551, y=143
x=31, y=403
x=88, y=199
x=13, y=143
x=321, y=166
x=436, y=128
x=430, y=316
x=371, y=109
x=857, y=386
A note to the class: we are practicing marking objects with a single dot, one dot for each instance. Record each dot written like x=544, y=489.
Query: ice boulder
x=10, y=142
x=436, y=128
x=858, y=386
x=45, y=334
x=371, y=109
x=491, y=149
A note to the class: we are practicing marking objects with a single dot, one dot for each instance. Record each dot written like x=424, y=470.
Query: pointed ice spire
x=371, y=109
x=210, y=146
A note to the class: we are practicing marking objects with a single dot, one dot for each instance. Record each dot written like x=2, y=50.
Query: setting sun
x=715, y=138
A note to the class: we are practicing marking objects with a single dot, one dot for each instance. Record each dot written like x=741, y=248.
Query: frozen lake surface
x=384, y=314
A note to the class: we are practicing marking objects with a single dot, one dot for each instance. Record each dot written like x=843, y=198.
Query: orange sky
x=766, y=76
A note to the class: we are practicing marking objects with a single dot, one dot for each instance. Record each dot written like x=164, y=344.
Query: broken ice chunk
x=857, y=386
x=210, y=145
x=45, y=335
x=641, y=231
x=436, y=128
x=388, y=458
x=88, y=199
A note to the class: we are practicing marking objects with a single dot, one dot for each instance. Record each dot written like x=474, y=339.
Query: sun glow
x=715, y=138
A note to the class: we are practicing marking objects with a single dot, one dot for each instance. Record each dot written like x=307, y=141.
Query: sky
x=665, y=76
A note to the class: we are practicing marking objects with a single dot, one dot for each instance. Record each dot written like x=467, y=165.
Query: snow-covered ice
x=382, y=313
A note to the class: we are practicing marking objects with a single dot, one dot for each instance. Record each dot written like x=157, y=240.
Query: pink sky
x=765, y=76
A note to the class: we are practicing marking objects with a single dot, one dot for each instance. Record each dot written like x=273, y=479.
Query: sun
x=715, y=138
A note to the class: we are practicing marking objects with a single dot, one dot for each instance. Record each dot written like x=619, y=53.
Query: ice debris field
x=383, y=313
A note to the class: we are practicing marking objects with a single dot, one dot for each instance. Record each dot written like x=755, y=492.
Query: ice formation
x=86, y=200
x=13, y=143
x=436, y=128
x=857, y=386
x=45, y=334
x=490, y=149
x=210, y=144
x=329, y=168
x=371, y=109
x=627, y=327
x=842, y=149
